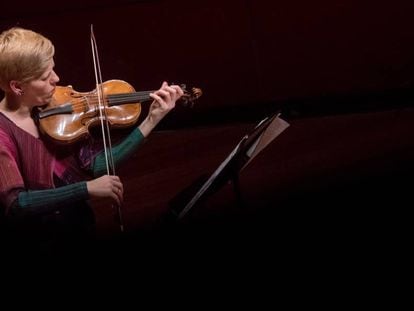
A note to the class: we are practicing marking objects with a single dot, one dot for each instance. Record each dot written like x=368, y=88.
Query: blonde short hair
x=24, y=55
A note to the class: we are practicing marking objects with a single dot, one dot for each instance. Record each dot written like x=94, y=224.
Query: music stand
x=248, y=147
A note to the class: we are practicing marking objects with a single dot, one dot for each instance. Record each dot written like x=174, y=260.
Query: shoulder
x=5, y=125
x=4, y=120
x=6, y=132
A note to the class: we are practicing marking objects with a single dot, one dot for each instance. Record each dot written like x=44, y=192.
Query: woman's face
x=40, y=91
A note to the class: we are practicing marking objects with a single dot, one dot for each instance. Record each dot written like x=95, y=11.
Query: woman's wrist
x=147, y=125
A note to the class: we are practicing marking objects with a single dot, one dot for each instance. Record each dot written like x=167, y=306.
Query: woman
x=44, y=190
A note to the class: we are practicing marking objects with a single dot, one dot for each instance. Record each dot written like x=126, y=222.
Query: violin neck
x=128, y=98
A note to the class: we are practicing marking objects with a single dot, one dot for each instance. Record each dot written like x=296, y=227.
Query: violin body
x=71, y=114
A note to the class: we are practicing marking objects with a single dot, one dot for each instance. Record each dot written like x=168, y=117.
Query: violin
x=71, y=114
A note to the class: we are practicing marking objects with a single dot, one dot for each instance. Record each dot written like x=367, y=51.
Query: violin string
x=121, y=99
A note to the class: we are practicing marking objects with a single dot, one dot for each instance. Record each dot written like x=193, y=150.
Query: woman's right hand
x=106, y=186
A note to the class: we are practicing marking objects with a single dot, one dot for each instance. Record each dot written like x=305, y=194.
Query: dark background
x=244, y=54
x=341, y=73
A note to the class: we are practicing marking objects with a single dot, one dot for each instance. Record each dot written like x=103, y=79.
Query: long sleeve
x=43, y=201
x=120, y=152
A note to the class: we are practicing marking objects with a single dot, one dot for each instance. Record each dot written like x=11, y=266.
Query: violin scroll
x=190, y=96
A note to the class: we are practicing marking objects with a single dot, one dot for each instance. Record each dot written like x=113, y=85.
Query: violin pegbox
x=190, y=96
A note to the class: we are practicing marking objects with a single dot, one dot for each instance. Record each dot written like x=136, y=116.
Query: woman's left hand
x=164, y=101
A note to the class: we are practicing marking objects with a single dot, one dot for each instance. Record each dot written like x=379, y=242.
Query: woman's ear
x=16, y=87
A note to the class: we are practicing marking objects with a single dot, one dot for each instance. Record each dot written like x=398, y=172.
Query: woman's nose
x=55, y=78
